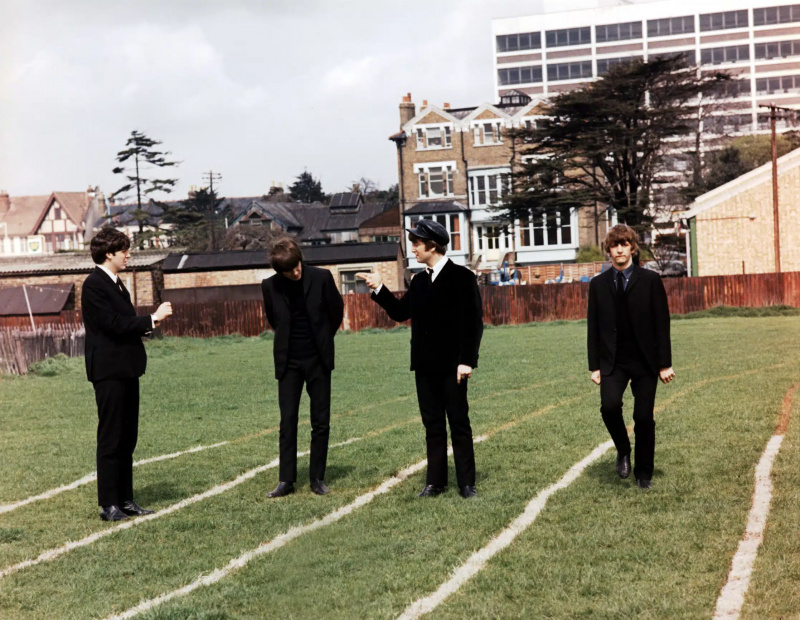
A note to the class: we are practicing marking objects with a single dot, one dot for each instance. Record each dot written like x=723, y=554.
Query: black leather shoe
x=643, y=483
x=624, y=465
x=431, y=490
x=132, y=509
x=112, y=513
x=283, y=488
x=468, y=491
x=319, y=487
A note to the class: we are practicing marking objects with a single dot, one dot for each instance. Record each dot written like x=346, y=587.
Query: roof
x=436, y=206
x=329, y=254
x=345, y=199
x=390, y=217
x=71, y=262
x=121, y=214
x=43, y=299
x=754, y=178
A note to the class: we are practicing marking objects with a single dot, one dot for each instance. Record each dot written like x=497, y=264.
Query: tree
x=307, y=189
x=197, y=221
x=373, y=193
x=602, y=144
x=249, y=237
x=142, y=158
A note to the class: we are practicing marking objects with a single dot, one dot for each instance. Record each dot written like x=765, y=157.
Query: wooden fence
x=502, y=305
x=21, y=347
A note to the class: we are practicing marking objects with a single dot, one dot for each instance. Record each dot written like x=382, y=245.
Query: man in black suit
x=305, y=309
x=628, y=341
x=115, y=359
x=444, y=305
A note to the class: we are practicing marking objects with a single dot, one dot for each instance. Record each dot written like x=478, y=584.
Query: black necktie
x=430, y=273
x=620, y=282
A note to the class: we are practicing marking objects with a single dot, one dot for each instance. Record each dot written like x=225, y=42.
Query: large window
x=729, y=123
x=604, y=65
x=520, y=75
x=670, y=26
x=777, y=85
x=350, y=283
x=618, y=32
x=721, y=55
x=777, y=49
x=451, y=222
x=520, y=41
x=433, y=138
x=723, y=21
x=493, y=237
x=569, y=71
x=776, y=15
x=435, y=182
x=546, y=229
x=487, y=133
x=570, y=36
x=732, y=89
x=487, y=188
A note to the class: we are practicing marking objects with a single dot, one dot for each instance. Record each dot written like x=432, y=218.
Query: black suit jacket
x=114, y=348
x=446, y=319
x=325, y=312
x=649, y=314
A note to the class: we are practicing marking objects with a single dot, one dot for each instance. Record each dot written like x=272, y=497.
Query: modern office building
x=757, y=41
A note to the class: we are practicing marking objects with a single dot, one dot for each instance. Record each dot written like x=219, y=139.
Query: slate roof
x=71, y=262
x=436, y=206
x=390, y=217
x=345, y=199
x=44, y=299
x=121, y=213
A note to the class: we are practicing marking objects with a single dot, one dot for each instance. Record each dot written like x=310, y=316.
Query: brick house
x=732, y=228
x=59, y=221
x=455, y=167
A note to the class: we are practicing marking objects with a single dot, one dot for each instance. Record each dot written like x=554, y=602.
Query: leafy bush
x=59, y=364
x=590, y=254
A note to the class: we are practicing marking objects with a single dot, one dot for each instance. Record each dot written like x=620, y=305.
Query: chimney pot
x=424, y=103
x=446, y=106
x=5, y=201
x=407, y=98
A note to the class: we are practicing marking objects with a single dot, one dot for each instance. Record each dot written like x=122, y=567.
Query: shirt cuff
x=379, y=289
x=153, y=319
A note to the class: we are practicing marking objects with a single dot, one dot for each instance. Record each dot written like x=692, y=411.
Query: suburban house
x=455, y=167
x=732, y=228
x=32, y=225
x=123, y=218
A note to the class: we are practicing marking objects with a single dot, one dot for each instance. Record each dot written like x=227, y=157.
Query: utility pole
x=773, y=117
x=212, y=176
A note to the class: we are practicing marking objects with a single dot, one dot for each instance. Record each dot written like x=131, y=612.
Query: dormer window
x=487, y=133
x=434, y=137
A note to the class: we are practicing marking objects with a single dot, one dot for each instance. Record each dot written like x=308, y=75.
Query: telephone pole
x=212, y=176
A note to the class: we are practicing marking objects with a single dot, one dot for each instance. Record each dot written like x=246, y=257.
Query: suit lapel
x=633, y=279
x=443, y=273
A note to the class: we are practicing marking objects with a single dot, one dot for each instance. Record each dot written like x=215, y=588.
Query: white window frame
x=503, y=182
x=423, y=172
x=445, y=133
x=448, y=224
x=479, y=131
x=540, y=223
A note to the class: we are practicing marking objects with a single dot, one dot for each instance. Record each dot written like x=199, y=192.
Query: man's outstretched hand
x=373, y=280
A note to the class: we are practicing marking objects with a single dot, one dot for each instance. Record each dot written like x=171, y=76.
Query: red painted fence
x=502, y=305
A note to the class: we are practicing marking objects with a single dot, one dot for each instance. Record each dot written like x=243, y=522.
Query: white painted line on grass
x=93, y=476
x=279, y=541
x=731, y=598
x=52, y=554
x=477, y=560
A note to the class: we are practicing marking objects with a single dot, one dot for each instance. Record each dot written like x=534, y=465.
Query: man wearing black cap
x=444, y=305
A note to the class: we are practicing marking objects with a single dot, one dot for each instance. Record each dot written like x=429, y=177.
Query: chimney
x=446, y=106
x=424, y=103
x=356, y=188
x=5, y=201
x=407, y=110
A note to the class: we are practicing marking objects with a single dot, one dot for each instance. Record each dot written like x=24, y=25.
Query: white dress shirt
x=115, y=278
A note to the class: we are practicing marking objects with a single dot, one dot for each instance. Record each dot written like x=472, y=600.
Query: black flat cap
x=429, y=229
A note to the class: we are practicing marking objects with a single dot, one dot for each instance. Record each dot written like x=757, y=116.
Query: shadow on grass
x=159, y=492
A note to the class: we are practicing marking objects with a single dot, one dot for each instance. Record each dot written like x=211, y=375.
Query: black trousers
x=317, y=380
x=117, y=431
x=441, y=399
x=643, y=385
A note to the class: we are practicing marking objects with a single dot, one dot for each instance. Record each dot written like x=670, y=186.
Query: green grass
x=600, y=548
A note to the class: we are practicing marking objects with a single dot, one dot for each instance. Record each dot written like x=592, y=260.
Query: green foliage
x=57, y=365
x=307, y=189
x=590, y=254
x=740, y=311
x=198, y=221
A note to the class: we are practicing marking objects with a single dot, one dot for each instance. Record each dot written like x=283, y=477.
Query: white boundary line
x=731, y=597
x=478, y=560
x=279, y=541
x=93, y=476
x=52, y=554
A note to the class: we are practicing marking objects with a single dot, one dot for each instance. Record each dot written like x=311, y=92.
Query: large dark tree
x=307, y=189
x=198, y=221
x=602, y=144
x=142, y=159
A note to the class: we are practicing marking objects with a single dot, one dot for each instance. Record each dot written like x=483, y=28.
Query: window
x=723, y=21
x=521, y=41
x=493, y=237
x=451, y=222
x=604, y=65
x=730, y=123
x=782, y=122
x=487, y=188
x=732, y=89
x=618, y=32
x=487, y=133
x=670, y=26
x=351, y=284
x=778, y=49
x=435, y=181
x=546, y=229
x=519, y=75
x=569, y=71
x=720, y=55
x=570, y=36
x=776, y=15
x=433, y=138
x=689, y=56
x=782, y=84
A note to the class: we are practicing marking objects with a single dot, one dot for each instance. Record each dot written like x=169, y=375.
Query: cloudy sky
x=255, y=90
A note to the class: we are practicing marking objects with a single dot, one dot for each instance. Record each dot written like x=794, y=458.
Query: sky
x=258, y=91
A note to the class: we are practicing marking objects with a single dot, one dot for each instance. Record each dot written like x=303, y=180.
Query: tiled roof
x=436, y=206
x=71, y=262
x=389, y=217
x=24, y=213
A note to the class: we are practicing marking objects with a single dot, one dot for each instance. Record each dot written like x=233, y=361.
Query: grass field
x=600, y=548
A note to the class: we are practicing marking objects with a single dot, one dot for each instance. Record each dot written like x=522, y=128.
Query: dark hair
x=285, y=254
x=108, y=241
x=621, y=234
x=429, y=244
